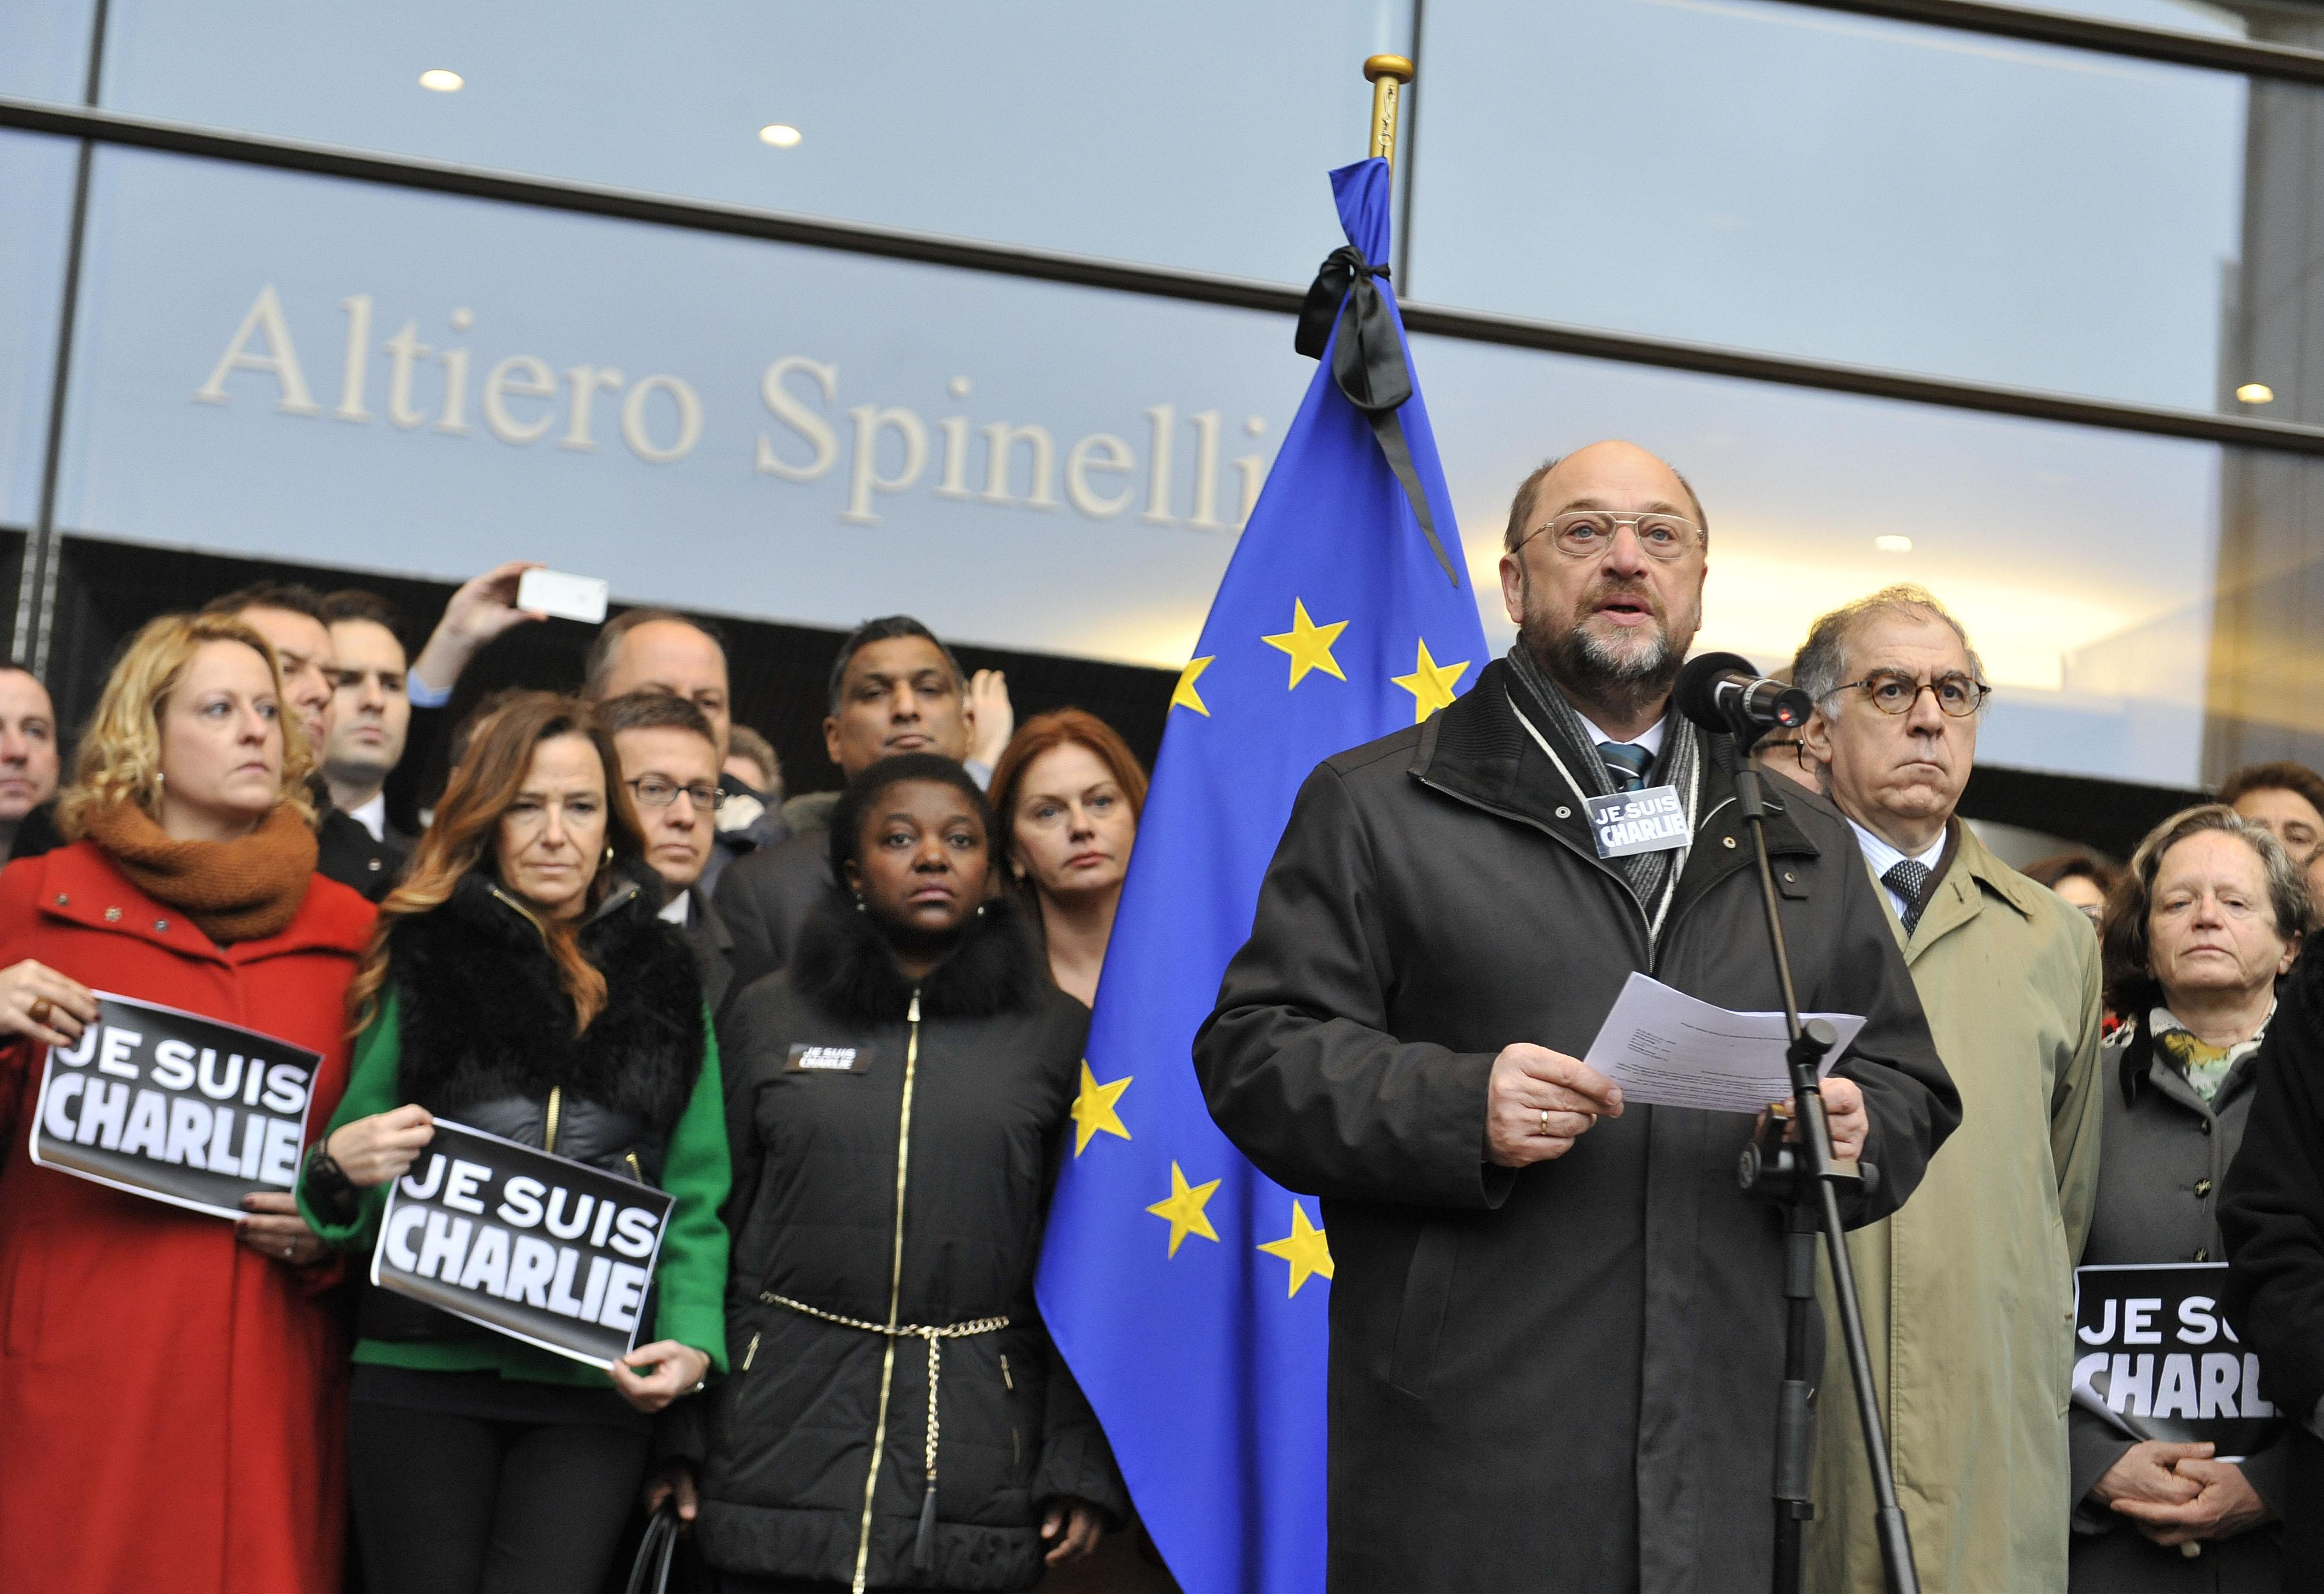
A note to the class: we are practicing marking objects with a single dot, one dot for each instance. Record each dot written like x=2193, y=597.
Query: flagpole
x=1388, y=74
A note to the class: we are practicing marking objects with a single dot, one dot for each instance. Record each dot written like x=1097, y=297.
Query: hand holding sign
x=675, y=1369
x=275, y=1230
x=371, y=1151
x=35, y=1000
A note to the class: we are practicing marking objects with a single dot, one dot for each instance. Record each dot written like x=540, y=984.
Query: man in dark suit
x=894, y=689
x=371, y=721
x=669, y=762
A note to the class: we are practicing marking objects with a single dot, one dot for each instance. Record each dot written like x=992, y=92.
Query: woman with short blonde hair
x=191, y=1364
x=2198, y=936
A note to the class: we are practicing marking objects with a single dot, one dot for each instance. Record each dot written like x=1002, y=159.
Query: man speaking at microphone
x=1557, y=1325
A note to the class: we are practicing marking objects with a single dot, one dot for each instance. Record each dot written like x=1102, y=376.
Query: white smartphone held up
x=568, y=597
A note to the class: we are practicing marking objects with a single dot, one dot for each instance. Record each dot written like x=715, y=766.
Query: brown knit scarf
x=238, y=891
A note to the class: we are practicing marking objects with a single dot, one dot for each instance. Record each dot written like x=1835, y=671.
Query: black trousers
x=447, y=1503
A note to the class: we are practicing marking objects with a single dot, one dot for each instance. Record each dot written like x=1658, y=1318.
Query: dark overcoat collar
x=1477, y=752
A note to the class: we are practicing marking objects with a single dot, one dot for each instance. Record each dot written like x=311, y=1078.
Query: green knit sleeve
x=374, y=1086
x=691, y=1274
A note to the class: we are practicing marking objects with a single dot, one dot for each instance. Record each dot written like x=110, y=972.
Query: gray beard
x=1595, y=675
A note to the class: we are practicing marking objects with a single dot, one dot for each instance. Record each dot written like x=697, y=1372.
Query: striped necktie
x=1627, y=763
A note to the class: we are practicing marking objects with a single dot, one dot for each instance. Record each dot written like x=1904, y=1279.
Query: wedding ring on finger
x=40, y=1011
x=1544, y=1130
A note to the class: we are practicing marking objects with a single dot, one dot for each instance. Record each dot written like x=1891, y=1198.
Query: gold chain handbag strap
x=934, y=1335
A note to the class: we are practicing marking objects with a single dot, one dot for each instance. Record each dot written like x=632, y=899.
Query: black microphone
x=1722, y=692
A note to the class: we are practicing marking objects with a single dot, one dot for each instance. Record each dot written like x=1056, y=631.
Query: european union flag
x=1186, y=1290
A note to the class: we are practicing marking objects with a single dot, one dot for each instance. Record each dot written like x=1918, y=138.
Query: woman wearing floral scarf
x=2196, y=938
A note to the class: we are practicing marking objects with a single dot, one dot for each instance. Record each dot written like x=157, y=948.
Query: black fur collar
x=845, y=968
x=483, y=1015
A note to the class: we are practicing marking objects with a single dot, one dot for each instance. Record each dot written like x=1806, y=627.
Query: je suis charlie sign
x=543, y=1249
x=2157, y=1358
x=175, y=1107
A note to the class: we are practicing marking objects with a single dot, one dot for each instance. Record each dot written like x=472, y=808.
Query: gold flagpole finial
x=1388, y=74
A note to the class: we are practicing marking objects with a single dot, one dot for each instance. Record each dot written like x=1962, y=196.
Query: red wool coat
x=172, y=1404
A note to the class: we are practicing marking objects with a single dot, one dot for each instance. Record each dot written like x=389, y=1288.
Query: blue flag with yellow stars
x=1188, y=1292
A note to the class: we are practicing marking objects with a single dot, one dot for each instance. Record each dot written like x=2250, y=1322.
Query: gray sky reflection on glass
x=1778, y=177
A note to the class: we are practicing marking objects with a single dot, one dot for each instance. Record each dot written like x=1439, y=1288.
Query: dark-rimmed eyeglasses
x=1892, y=691
x=1586, y=533
x=654, y=792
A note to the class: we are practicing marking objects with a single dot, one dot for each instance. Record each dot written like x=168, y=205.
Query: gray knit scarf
x=1648, y=874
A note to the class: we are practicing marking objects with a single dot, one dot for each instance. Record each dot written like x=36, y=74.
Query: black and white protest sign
x=175, y=1106
x=539, y=1247
x=1649, y=820
x=2157, y=1358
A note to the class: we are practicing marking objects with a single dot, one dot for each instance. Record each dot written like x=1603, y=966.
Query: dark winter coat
x=2167, y=1152
x=1565, y=1376
x=2273, y=1218
x=767, y=896
x=713, y=944
x=893, y=1153
x=487, y=1041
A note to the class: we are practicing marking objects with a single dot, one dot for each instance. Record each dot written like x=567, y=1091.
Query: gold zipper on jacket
x=548, y=1134
x=895, y=1289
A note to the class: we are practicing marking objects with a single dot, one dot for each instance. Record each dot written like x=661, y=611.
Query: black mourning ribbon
x=1368, y=366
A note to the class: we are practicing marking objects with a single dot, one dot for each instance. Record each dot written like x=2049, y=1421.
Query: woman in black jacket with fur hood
x=521, y=983
x=895, y=1102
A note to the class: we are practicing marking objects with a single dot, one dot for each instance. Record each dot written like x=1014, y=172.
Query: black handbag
x=650, y=1573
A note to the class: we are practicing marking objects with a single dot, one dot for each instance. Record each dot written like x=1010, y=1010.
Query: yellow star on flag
x=1302, y=1248
x=1185, y=696
x=1184, y=1209
x=1093, y=1109
x=1309, y=644
x=1430, y=683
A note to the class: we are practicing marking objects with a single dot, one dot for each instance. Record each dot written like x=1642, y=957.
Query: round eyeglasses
x=1893, y=691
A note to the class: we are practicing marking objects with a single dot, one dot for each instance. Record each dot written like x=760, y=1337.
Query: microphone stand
x=1806, y=1179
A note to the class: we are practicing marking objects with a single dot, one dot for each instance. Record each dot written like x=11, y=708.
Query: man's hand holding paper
x=1664, y=1047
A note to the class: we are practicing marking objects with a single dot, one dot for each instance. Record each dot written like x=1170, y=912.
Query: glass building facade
x=2026, y=309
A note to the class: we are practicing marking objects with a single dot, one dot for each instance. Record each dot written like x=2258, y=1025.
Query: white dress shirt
x=372, y=816
x=1884, y=858
x=1651, y=738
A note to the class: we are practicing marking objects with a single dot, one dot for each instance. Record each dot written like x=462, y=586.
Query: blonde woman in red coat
x=171, y=1384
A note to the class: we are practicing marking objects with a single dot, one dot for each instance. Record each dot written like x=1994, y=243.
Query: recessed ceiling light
x=781, y=134
x=1892, y=545
x=2255, y=393
x=441, y=81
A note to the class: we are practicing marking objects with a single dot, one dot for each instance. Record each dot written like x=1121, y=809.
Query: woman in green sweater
x=521, y=983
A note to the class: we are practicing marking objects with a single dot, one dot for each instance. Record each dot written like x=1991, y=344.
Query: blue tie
x=1627, y=763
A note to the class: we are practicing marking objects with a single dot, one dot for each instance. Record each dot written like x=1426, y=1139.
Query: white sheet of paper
x=1667, y=1049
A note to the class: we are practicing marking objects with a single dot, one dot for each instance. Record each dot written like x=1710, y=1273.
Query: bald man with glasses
x=1968, y=1292
x=1557, y=1331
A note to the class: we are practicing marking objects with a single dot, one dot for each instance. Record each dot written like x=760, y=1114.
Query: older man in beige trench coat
x=1968, y=1292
